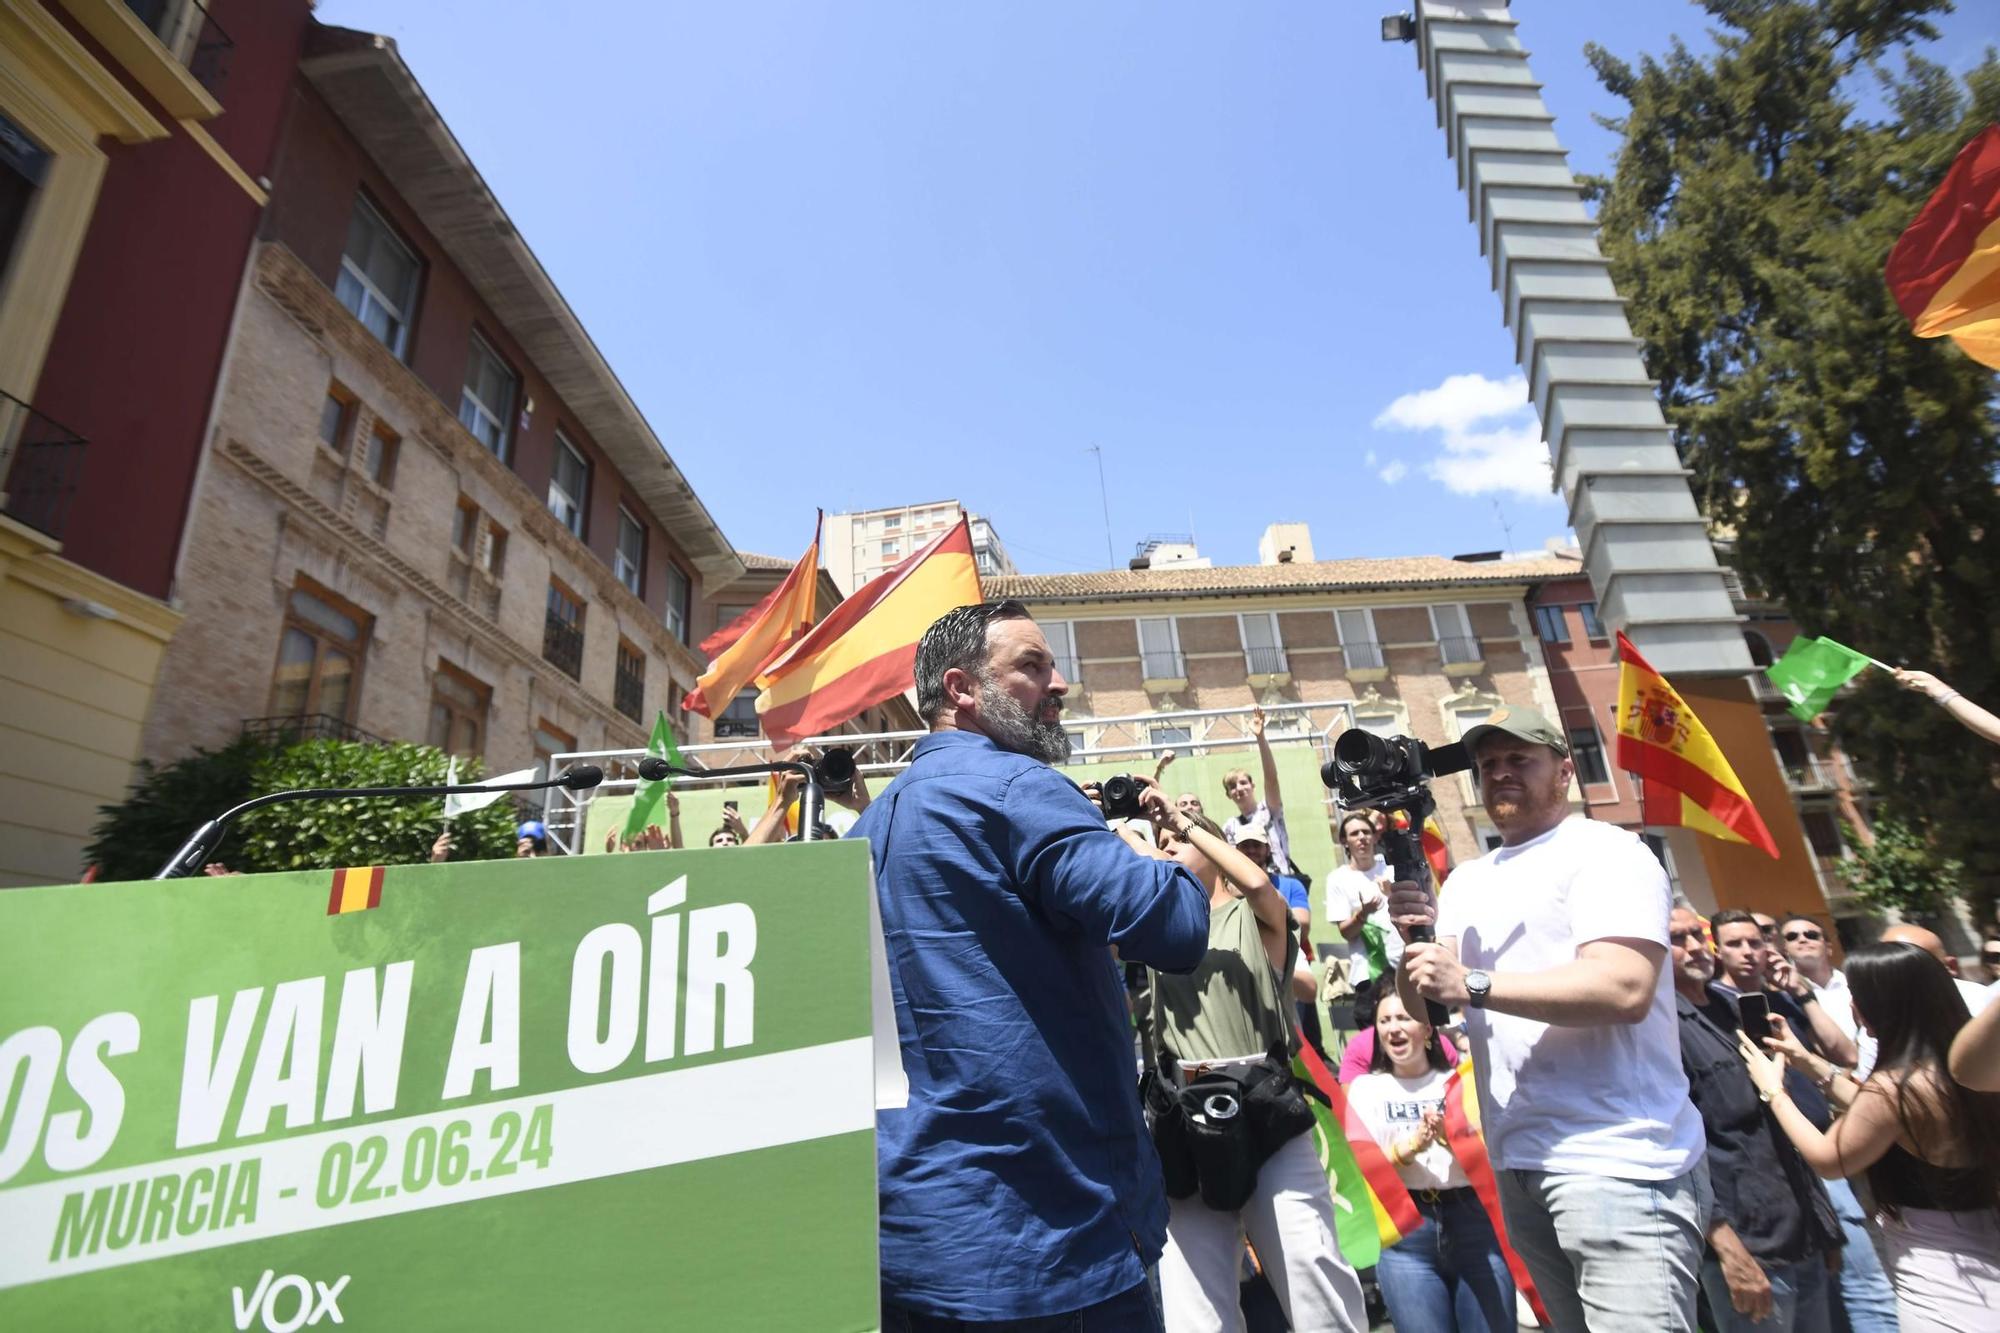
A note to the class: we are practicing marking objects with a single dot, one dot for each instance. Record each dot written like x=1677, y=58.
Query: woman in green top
x=1225, y=1016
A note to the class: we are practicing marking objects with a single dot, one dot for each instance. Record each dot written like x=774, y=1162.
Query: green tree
x=1853, y=465
x=134, y=838
x=1901, y=871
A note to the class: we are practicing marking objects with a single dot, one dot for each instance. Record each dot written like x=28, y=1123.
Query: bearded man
x=1020, y=1182
x=1555, y=942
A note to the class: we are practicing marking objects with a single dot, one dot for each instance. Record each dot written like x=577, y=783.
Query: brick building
x=859, y=546
x=1424, y=646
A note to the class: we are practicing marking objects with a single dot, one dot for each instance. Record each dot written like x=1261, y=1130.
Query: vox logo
x=286, y=1304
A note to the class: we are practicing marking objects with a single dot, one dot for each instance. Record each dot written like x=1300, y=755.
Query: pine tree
x=1853, y=465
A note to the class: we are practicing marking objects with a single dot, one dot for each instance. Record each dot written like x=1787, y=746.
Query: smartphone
x=729, y=806
x=1753, y=1015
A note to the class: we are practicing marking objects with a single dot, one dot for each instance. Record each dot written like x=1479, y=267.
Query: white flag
x=465, y=803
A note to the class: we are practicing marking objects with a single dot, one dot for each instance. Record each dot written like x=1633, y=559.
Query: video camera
x=1393, y=774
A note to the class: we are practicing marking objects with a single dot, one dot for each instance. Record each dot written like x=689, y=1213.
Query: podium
x=630, y=1091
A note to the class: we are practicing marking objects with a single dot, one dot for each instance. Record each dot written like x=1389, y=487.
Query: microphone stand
x=201, y=844
x=812, y=797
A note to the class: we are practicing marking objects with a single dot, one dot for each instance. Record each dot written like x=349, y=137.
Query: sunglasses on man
x=1793, y=936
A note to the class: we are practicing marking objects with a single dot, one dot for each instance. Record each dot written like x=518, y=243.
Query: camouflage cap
x=1521, y=723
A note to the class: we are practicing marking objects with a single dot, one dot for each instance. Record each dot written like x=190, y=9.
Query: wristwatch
x=1477, y=987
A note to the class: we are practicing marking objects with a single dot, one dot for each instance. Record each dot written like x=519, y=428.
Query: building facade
x=1424, y=646
x=128, y=200
x=859, y=546
x=427, y=510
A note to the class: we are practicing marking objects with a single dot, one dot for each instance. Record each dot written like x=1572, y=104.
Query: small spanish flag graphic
x=355, y=890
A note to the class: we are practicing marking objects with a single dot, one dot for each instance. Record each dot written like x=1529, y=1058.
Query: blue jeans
x=1133, y=1311
x=1863, y=1300
x=1800, y=1298
x=1448, y=1276
x=1608, y=1254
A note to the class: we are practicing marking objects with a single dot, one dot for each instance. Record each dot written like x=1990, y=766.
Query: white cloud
x=1491, y=438
x=1394, y=472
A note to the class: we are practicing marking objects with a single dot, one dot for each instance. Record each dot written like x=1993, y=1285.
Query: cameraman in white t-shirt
x=1555, y=943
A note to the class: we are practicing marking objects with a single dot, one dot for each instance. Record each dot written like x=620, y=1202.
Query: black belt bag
x=1214, y=1134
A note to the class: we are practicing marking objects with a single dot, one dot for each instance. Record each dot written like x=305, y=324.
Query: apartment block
x=859, y=546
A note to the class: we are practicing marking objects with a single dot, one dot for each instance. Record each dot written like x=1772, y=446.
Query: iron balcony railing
x=1266, y=661
x=1165, y=666
x=306, y=727
x=1071, y=669
x=628, y=691
x=562, y=645
x=42, y=462
x=737, y=728
x=1364, y=655
x=192, y=35
x=1458, y=650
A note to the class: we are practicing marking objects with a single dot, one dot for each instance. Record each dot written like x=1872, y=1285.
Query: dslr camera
x=1119, y=795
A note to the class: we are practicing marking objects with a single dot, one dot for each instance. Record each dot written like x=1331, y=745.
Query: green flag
x=1812, y=670
x=646, y=800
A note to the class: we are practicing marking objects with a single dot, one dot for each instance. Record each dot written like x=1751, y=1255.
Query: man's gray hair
x=957, y=639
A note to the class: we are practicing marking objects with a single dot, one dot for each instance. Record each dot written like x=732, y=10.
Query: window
x=628, y=692
x=676, y=608
x=630, y=563
x=487, y=404
x=891, y=550
x=1160, y=648
x=1076, y=741
x=1454, y=634
x=378, y=277
x=1166, y=737
x=1552, y=624
x=1465, y=719
x=569, y=485
x=550, y=741
x=892, y=521
x=562, y=630
x=380, y=462
x=1262, y=651
x=1376, y=724
x=1586, y=752
x=319, y=656
x=1062, y=643
x=496, y=550
x=335, y=417
x=24, y=165
x=739, y=720
x=465, y=527
x=458, y=711
x=1357, y=639
x=1823, y=832
x=1592, y=626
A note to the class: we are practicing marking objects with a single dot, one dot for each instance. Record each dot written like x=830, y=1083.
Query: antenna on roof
x=1506, y=528
x=1104, y=494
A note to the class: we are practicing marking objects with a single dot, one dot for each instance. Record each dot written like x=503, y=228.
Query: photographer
x=1020, y=1182
x=1555, y=942
x=1228, y=1020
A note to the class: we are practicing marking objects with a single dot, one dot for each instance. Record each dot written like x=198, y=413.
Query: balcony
x=1462, y=656
x=1365, y=661
x=1071, y=670
x=1808, y=775
x=43, y=464
x=191, y=35
x=562, y=645
x=628, y=692
x=306, y=727
x=1164, y=671
x=1268, y=667
x=731, y=727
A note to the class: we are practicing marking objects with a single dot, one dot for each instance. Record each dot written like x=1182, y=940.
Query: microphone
x=652, y=768
x=812, y=799
x=201, y=844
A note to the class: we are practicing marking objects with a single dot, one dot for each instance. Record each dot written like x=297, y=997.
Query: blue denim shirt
x=1020, y=1180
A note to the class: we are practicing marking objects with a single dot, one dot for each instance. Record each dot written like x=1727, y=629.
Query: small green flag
x=646, y=800
x=1812, y=670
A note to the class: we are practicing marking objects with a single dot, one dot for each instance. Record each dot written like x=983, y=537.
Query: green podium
x=631, y=1091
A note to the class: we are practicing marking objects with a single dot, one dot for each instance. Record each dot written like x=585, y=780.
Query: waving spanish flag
x=1687, y=780
x=1945, y=270
x=865, y=651
x=740, y=649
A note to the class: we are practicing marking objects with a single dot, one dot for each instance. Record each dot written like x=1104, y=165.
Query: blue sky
x=854, y=254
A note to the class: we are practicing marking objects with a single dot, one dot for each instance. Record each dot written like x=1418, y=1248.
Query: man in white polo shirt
x=1555, y=943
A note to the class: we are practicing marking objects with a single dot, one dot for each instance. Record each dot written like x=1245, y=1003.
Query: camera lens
x=836, y=771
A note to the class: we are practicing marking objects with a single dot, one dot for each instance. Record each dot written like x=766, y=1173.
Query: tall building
x=134, y=144
x=858, y=546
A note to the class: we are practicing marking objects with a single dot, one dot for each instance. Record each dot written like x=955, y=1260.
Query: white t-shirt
x=1393, y=1108
x=1608, y=1101
x=1346, y=889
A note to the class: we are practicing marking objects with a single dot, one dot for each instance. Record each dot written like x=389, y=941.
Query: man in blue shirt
x=1020, y=1181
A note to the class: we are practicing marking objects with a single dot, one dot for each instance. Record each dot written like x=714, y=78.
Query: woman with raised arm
x=1930, y=1147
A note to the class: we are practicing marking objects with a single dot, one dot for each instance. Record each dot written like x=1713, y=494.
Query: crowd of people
x=1599, y=1103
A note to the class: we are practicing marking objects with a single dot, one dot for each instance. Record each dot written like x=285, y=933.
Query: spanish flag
x=1945, y=270
x=740, y=649
x=865, y=651
x=355, y=890
x=1687, y=780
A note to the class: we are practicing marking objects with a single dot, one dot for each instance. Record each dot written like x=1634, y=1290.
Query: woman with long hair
x=1449, y=1274
x=1226, y=1018
x=1930, y=1147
